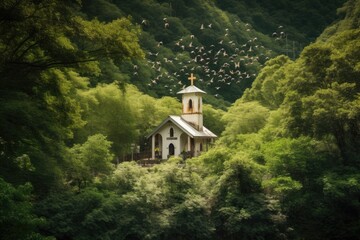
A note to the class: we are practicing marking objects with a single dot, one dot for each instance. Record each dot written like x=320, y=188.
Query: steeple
x=192, y=104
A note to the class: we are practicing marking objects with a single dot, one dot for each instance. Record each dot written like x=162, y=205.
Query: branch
x=53, y=64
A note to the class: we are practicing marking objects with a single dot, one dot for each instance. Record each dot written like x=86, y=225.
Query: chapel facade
x=183, y=134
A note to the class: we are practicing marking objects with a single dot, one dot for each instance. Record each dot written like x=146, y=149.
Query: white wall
x=165, y=133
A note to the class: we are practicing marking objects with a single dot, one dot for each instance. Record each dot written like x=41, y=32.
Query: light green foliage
x=293, y=157
x=117, y=37
x=163, y=202
x=245, y=117
x=47, y=49
x=321, y=103
x=282, y=185
x=107, y=111
x=266, y=88
x=150, y=111
x=124, y=177
x=89, y=160
x=213, y=119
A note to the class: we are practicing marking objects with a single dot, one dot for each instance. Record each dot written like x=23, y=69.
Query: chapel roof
x=186, y=127
x=191, y=89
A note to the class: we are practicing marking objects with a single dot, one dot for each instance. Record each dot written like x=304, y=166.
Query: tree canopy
x=83, y=83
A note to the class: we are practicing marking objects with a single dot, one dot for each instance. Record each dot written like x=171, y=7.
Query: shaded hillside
x=224, y=43
x=304, y=20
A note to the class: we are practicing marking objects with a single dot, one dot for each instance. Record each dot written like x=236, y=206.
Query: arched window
x=190, y=105
x=171, y=132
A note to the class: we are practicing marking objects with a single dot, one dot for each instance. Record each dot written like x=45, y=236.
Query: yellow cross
x=192, y=78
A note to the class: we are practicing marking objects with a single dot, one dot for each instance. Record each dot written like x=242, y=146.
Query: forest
x=81, y=82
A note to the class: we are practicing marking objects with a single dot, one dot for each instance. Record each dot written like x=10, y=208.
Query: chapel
x=185, y=134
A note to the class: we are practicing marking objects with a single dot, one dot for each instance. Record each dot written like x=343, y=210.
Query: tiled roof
x=186, y=127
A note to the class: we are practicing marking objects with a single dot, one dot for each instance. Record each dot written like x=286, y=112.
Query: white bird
x=202, y=26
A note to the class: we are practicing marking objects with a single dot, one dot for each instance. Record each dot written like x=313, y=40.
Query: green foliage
x=47, y=47
x=239, y=203
x=17, y=220
x=167, y=28
x=297, y=158
x=108, y=112
x=282, y=185
x=248, y=117
x=90, y=159
x=324, y=105
x=285, y=167
x=213, y=119
x=266, y=88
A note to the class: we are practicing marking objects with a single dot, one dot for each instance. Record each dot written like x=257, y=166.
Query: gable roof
x=191, y=89
x=185, y=127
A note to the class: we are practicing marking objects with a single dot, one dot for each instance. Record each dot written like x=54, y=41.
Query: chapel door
x=171, y=149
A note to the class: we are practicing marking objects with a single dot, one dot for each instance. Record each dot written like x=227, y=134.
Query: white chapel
x=183, y=134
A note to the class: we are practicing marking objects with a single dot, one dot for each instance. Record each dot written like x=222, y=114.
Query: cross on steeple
x=192, y=78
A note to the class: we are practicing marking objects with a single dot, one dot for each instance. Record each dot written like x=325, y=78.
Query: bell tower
x=192, y=104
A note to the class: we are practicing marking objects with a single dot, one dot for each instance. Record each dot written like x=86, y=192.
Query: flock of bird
x=220, y=65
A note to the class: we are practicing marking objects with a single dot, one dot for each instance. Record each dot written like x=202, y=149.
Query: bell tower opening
x=190, y=106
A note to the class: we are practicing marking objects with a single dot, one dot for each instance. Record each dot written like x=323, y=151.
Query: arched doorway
x=171, y=149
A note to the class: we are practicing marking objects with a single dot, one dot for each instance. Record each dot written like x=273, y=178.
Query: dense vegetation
x=285, y=167
x=225, y=43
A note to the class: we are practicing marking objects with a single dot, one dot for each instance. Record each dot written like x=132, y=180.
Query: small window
x=171, y=132
x=201, y=147
x=190, y=105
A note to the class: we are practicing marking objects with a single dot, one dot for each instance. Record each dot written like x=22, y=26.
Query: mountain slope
x=224, y=43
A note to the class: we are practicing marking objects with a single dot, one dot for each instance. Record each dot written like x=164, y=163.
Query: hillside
x=285, y=166
x=225, y=43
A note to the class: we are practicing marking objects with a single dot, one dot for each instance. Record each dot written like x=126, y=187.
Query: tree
x=17, y=219
x=89, y=160
x=108, y=111
x=245, y=117
x=46, y=48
